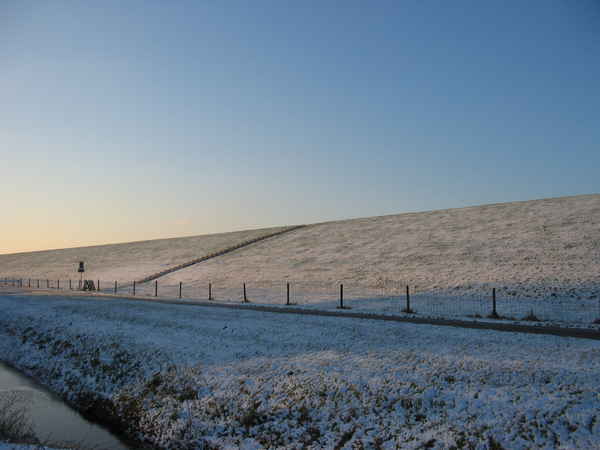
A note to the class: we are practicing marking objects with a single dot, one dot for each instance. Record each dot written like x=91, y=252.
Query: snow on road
x=390, y=299
x=204, y=376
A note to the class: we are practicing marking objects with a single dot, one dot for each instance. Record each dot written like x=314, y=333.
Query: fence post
x=57, y=284
x=245, y=298
x=29, y=283
x=47, y=284
x=134, y=287
x=494, y=312
x=156, y=288
x=38, y=283
x=288, y=293
x=115, y=287
x=210, y=291
x=98, y=286
x=180, y=283
x=407, y=309
x=341, y=296
x=70, y=285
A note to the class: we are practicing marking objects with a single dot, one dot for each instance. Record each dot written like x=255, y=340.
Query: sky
x=125, y=121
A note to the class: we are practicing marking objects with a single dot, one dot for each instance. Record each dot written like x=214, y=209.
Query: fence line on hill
x=218, y=253
x=385, y=297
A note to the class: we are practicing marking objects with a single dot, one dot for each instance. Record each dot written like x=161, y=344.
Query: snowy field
x=388, y=298
x=199, y=377
x=536, y=249
x=541, y=249
x=129, y=261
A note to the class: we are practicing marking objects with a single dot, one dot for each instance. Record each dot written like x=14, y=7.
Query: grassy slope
x=528, y=246
x=120, y=261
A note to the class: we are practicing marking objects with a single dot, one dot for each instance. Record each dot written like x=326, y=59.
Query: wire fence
x=386, y=297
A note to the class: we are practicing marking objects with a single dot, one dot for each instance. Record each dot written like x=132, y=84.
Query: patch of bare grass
x=15, y=425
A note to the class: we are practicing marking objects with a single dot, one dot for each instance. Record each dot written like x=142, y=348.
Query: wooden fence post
x=288, y=293
x=407, y=309
x=245, y=297
x=341, y=296
x=210, y=291
x=156, y=288
x=494, y=314
x=115, y=287
x=134, y=287
x=180, y=283
x=57, y=284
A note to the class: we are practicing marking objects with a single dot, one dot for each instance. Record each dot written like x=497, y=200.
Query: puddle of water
x=51, y=418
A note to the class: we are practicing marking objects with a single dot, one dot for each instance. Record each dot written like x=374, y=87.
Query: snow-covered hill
x=537, y=248
x=540, y=248
x=125, y=262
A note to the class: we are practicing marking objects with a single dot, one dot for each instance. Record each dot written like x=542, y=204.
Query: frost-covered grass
x=542, y=249
x=385, y=299
x=129, y=261
x=219, y=378
x=536, y=249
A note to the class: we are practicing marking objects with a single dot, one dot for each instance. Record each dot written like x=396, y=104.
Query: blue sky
x=125, y=121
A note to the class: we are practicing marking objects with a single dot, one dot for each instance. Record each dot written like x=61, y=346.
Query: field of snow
x=200, y=377
x=535, y=249
x=388, y=298
x=125, y=262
